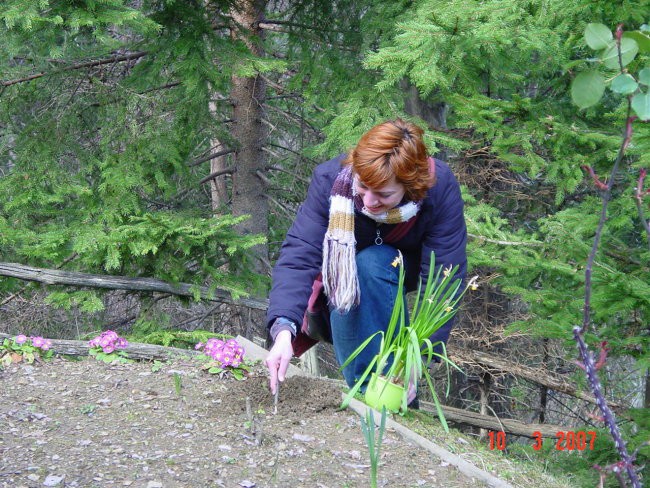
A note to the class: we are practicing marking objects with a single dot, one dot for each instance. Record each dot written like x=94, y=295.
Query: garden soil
x=150, y=425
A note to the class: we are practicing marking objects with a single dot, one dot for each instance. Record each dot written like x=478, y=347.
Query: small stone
x=52, y=480
x=33, y=477
x=303, y=438
x=154, y=484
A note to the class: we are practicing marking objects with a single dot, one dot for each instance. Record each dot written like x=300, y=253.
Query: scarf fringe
x=340, y=279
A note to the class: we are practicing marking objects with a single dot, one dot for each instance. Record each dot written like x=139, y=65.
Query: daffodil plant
x=405, y=349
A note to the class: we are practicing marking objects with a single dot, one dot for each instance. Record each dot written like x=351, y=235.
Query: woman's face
x=379, y=200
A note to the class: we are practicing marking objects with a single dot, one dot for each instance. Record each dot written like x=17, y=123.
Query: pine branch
x=638, y=197
x=211, y=176
x=274, y=25
x=287, y=212
x=89, y=64
x=292, y=151
x=292, y=173
x=505, y=243
x=210, y=156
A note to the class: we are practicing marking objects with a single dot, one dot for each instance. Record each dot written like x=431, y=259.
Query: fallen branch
x=73, y=278
x=535, y=375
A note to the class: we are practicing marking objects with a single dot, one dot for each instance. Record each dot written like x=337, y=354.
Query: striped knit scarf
x=340, y=279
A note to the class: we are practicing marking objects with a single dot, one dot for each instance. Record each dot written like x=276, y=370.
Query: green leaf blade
x=587, y=89
x=598, y=36
x=642, y=39
x=644, y=76
x=629, y=50
x=641, y=105
x=624, y=84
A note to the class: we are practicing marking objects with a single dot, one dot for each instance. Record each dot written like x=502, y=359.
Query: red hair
x=393, y=148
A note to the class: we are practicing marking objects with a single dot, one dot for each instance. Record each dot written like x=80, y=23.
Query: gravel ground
x=90, y=424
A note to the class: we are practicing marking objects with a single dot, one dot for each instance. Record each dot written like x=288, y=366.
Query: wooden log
x=74, y=278
x=509, y=426
x=134, y=350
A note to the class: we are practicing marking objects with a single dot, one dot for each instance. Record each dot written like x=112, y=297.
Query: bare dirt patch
x=90, y=424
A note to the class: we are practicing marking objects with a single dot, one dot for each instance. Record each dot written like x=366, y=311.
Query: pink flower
x=20, y=339
x=38, y=341
x=199, y=346
x=108, y=349
x=121, y=343
x=110, y=335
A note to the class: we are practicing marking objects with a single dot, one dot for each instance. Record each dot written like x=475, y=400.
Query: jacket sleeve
x=301, y=254
x=446, y=236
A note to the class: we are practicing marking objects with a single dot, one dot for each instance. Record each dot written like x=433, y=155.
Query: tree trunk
x=248, y=95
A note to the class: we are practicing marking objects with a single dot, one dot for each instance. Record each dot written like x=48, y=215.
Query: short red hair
x=393, y=148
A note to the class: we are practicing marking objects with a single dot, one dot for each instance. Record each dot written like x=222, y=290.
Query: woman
x=387, y=188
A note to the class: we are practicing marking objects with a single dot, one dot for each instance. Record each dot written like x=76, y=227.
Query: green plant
x=178, y=384
x=615, y=51
x=405, y=349
x=88, y=409
x=374, y=446
x=23, y=348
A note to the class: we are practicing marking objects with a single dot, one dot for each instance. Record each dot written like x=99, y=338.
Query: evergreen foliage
x=109, y=111
x=96, y=153
x=505, y=69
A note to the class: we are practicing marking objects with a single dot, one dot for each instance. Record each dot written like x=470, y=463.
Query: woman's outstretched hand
x=278, y=359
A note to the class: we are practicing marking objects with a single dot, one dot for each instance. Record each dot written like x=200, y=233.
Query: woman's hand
x=278, y=359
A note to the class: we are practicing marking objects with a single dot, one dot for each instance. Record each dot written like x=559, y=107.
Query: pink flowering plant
x=24, y=348
x=223, y=357
x=109, y=347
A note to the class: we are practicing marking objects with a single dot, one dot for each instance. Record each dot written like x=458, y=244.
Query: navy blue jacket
x=440, y=227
